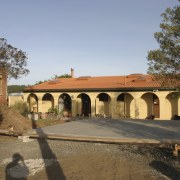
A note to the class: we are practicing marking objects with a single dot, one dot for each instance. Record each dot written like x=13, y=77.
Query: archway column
x=137, y=112
x=162, y=102
x=96, y=106
x=74, y=107
x=56, y=100
x=40, y=108
x=93, y=107
x=113, y=108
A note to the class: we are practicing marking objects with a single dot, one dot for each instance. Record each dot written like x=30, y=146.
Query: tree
x=54, y=77
x=15, y=88
x=13, y=59
x=164, y=63
x=61, y=76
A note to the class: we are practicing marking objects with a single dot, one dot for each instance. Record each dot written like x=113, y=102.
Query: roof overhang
x=140, y=89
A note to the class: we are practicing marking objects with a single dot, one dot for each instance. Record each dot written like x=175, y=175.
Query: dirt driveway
x=70, y=160
x=53, y=159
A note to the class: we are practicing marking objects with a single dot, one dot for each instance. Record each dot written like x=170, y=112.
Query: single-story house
x=132, y=96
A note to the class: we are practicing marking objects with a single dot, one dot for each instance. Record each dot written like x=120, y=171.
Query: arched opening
x=151, y=107
x=103, y=105
x=84, y=105
x=47, y=102
x=65, y=104
x=124, y=105
x=173, y=100
x=32, y=103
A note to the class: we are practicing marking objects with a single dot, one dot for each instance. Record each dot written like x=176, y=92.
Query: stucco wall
x=146, y=106
x=137, y=104
x=12, y=99
x=46, y=105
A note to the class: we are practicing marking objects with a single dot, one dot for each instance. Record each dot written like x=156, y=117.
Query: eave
x=129, y=89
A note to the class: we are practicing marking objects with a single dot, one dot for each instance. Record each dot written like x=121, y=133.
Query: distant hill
x=15, y=88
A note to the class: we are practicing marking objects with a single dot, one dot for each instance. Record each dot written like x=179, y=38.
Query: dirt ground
x=53, y=159
x=13, y=119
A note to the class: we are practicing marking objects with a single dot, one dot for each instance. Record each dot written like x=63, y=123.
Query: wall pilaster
x=93, y=106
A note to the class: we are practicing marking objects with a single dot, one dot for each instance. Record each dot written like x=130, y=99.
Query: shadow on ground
x=53, y=172
x=166, y=169
x=17, y=168
x=139, y=128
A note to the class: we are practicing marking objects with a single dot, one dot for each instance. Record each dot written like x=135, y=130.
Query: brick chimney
x=72, y=73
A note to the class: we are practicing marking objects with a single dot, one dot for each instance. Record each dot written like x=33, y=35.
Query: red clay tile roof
x=101, y=82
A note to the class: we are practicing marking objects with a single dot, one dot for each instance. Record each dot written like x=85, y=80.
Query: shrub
x=53, y=110
x=20, y=107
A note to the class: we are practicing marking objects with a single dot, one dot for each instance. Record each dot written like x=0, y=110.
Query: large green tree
x=164, y=63
x=13, y=59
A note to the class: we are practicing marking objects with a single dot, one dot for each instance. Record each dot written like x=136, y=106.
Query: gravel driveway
x=66, y=160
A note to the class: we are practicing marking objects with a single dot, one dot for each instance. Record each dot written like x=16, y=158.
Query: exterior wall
x=146, y=106
x=32, y=102
x=120, y=108
x=125, y=108
x=3, y=86
x=172, y=105
x=103, y=107
x=78, y=106
x=12, y=99
x=137, y=104
x=46, y=105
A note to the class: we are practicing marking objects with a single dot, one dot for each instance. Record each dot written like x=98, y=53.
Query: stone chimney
x=72, y=73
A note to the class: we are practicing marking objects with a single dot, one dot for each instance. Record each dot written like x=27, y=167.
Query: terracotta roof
x=101, y=82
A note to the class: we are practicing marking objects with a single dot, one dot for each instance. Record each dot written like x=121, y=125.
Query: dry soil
x=53, y=159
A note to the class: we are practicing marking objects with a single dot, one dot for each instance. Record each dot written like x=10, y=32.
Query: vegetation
x=164, y=63
x=54, y=77
x=53, y=110
x=16, y=88
x=61, y=76
x=13, y=59
x=20, y=88
x=21, y=107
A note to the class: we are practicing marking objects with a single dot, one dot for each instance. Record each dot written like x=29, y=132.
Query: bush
x=53, y=110
x=20, y=107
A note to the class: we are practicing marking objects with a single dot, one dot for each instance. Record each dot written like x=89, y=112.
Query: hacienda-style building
x=3, y=86
x=131, y=96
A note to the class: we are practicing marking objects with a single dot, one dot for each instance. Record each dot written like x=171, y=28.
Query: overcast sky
x=95, y=37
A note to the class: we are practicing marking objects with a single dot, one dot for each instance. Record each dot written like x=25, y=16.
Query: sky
x=95, y=37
